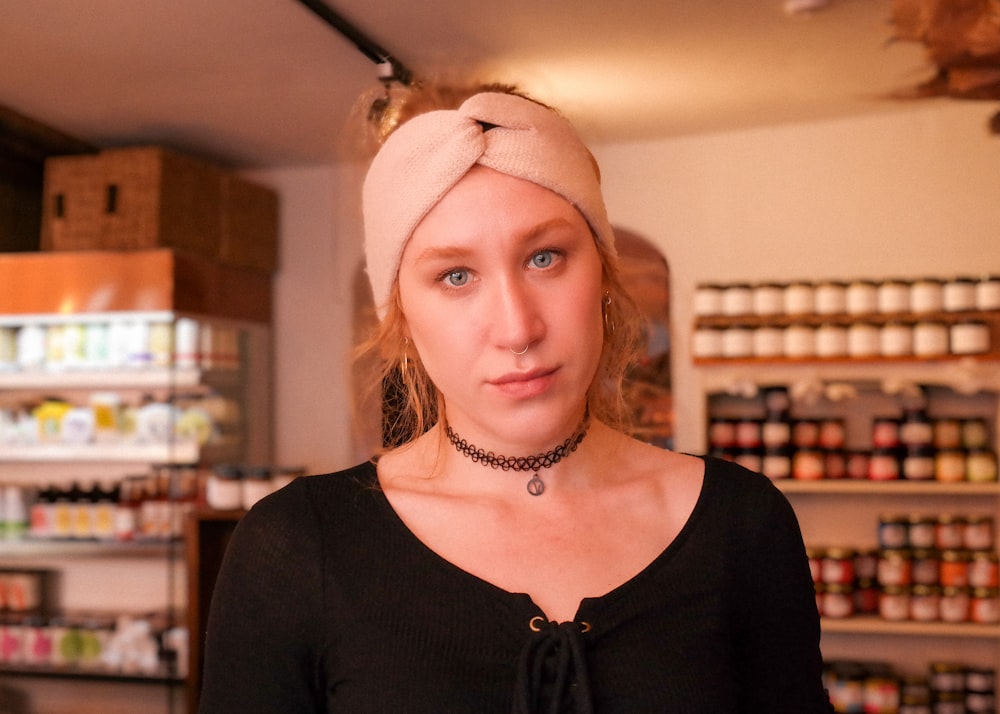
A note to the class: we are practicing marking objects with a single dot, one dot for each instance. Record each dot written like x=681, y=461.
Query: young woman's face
x=500, y=264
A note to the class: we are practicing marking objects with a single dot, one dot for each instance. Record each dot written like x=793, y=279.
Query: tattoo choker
x=536, y=487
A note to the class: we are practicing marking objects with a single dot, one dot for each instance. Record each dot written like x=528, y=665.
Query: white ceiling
x=258, y=83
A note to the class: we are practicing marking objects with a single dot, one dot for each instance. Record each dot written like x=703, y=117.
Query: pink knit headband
x=425, y=157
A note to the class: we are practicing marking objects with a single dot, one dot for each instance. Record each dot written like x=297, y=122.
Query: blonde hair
x=410, y=401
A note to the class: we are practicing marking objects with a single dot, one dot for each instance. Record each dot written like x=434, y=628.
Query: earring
x=404, y=365
x=609, y=322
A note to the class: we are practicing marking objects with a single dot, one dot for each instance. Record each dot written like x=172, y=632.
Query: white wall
x=909, y=193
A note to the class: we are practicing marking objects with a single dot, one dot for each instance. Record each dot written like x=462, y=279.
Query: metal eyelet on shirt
x=536, y=624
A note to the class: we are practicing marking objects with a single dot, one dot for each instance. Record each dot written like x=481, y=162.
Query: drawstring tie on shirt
x=552, y=670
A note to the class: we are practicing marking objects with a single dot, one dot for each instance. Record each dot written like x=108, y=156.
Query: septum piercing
x=521, y=352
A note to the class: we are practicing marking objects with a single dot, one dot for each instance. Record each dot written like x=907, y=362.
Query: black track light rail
x=368, y=47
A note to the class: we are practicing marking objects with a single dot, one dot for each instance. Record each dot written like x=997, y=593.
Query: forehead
x=489, y=204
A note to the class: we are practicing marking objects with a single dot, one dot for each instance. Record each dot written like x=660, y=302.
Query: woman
x=517, y=553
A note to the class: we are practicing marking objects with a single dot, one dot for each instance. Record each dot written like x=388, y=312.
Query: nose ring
x=513, y=352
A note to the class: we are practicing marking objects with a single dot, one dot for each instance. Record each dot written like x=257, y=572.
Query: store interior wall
x=909, y=193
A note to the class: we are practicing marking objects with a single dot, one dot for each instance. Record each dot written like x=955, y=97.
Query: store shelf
x=121, y=378
x=892, y=488
x=29, y=548
x=179, y=453
x=88, y=675
x=878, y=626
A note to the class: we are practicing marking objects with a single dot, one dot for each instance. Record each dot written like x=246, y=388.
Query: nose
x=517, y=318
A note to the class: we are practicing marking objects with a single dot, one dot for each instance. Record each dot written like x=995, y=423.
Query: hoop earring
x=404, y=365
x=609, y=322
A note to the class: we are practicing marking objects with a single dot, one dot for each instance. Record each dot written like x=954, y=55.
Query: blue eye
x=456, y=278
x=542, y=259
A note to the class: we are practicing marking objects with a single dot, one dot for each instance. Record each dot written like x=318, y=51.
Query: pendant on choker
x=536, y=487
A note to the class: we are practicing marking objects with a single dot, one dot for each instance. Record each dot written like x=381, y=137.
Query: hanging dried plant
x=962, y=39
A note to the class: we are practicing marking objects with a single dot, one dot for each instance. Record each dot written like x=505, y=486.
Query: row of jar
x=110, y=344
x=109, y=418
x=876, y=688
x=885, y=464
x=901, y=567
x=860, y=340
x=914, y=603
x=126, y=645
x=858, y=297
x=914, y=429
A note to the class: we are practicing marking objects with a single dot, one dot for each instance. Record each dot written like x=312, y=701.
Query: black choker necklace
x=536, y=487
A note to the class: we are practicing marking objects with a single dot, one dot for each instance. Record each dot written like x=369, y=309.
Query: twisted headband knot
x=425, y=157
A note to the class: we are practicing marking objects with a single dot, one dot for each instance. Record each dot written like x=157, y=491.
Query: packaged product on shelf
x=926, y=295
x=8, y=348
x=49, y=416
x=13, y=512
x=988, y=293
x=959, y=294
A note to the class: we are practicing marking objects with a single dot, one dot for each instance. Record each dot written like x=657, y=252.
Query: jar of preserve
x=980, y=680
x=918, y=463
x=894, y=568
x=866, y=564
x=749, y=458
x=834, y=463
x=815, y=557
x=895, y=340
x=926, y=295
x=737, y=342
x=893, y=297
x=800, y=341
x=737, y=299
x=856, y=466
x=894, y=603
x=831, y=298
x=708, y=300
x=706, y=342
x=954, y=604
x=768, y=342
x=922, y=532
x=862, y=297
x=776, y=432
x=984, y=607
x=949, y=465
x=969, y=338
x=748, y=433
x=722, y=433
x=984, y=569
x=954, y=568
x=975, y=434
x=800, y=299
x=224, y=488
x=777, y=462
x=893, y=532
x=832, y=433
x=925, y=603
x=930, y=339
x=981, y=465
x=950, y=532
x=831, y=340
x=988, y=293
x=886, y=432
x=837, y=566
x=768, y=299
x=866, y=592
x=947, y=433
x=916, y=429
x=863, y=340
x=805, y=433
x=926, y=567
x=979, y=532
x=959, y=294
x=838, y=601
x=883, y=465
x=807, y=464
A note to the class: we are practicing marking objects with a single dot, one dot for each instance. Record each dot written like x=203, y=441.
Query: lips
x=521, y=385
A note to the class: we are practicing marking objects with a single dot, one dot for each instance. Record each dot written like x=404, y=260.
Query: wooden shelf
x=898, y=487
x=31, y=548
x=105, y=379
x=180, y=453
x=877, y=626
x=87, y=675
x=846, y=320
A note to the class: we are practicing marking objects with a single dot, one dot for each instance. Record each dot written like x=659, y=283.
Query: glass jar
x=737, y=300
x=895, y=340
x=959, y=294
x=862, y=297
x=737, y=342
x=708, y=300
x=800, y=299
x=768, y=299
x=930, y=339
x=926, y=295
x=707, y=342
x=800, y=341
x=863, y=340
x=768, y=342
x=831, y=340
x=831, y=298
x=893, y=297
x=988, y=293
x=969, y=338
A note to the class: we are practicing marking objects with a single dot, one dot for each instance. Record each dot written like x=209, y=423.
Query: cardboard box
x=150, y=197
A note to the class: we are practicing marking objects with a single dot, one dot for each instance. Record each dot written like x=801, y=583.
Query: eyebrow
x=456, y=252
